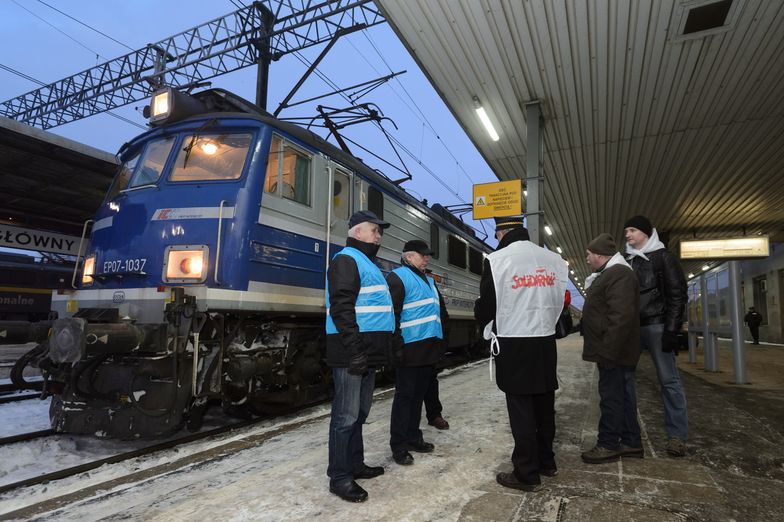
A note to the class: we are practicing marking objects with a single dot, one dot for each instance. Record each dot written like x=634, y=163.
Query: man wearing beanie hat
x=520, y=299
x=663, y=295
x=611, y=330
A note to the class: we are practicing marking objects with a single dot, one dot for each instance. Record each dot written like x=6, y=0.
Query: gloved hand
x=358, y=364
x=670, y=342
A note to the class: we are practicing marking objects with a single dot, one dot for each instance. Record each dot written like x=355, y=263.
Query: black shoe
x=421, y=446
x=368, y=472
x=509, y=480
x=600, y=455
x=403, y=458
x=350, y=492
x=632, y=452
x=548, y=472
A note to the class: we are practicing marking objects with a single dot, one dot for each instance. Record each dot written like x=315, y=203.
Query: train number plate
x=124, y=265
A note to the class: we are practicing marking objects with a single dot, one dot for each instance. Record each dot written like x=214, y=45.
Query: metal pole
x=692, y=347
x=707, y=338
x=534, y=170
x=262, y=75
x=736, y=319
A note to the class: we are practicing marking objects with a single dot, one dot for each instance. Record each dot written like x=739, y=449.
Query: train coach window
x=144, y=168
x=211, y=157
x=376, y=202
x=456, y=254
x=288, y=172
x=341, y=194
x=435, y=242
x=475, y=261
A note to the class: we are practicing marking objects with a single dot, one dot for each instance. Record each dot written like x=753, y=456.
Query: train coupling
x=74, y=339
x=23, y=332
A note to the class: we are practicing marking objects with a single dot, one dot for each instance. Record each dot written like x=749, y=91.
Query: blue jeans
x=676, y=419
x=618, y=405
x=350, y=408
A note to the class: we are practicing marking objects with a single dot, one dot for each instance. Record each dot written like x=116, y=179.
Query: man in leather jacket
x=663, y=295
x=359, y=325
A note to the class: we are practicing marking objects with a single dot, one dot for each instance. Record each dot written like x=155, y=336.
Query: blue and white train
x=204, y=275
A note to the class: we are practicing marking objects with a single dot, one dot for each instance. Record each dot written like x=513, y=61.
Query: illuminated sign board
x=29, y=239
x=734, y=248
x=502, y=198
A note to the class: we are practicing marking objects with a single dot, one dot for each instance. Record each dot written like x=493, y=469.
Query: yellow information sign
x=498, y=199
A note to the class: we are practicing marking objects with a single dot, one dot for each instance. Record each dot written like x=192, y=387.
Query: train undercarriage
x=113, y=378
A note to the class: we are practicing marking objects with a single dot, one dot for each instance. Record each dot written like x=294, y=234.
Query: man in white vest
x=521, y=294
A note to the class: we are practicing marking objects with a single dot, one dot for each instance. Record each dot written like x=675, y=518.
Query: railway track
x=17, y=398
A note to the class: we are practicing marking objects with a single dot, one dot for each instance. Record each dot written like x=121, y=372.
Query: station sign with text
x=498, y=199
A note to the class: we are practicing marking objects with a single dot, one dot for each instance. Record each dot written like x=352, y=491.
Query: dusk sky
x=62, y=47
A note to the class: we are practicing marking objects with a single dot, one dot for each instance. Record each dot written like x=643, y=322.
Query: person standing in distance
x=611, y=330
x=663, y=295
x=520, y=299
x=360, y=322
x=420, y=314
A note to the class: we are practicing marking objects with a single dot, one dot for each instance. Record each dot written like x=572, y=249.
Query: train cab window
x=288, y=172
x=376, y=202
x=456, y=251
x=435, y=242
x=144, y=167
x=475, y=261
x=211, y=157
x=341, y=195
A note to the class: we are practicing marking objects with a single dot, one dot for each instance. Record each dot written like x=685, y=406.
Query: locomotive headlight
x=186, y=264
x=160, y=105
x=88, y=271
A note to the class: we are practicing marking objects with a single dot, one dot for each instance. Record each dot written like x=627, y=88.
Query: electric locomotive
x=204, y=275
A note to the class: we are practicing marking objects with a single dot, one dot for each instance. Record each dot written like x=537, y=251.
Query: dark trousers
x=532, y=418
x=433, y=406
x=754, y=333
x=410, y=386
x=618, y=405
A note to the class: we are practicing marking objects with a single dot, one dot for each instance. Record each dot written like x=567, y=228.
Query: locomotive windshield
x=144, y=167
x=210, y=157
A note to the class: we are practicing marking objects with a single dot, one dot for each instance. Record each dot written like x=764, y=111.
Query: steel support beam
x=736, y=319
x=534, y=183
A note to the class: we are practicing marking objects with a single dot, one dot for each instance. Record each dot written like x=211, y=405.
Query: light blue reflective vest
x=421, y=315
x=374, y=303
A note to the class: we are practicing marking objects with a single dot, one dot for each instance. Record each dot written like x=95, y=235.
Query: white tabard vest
x=529, y=289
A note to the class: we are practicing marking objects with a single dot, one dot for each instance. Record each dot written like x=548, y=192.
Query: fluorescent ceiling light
x=706, y=267
x=548, y=229
x=559, y=250
x=485, y=119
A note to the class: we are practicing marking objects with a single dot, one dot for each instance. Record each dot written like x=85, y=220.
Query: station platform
x=734, y=469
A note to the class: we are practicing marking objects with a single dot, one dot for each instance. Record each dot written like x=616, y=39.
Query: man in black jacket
x=754, y=320
x=663, y=295
x=360, y=322
x=420, y=315
x=521, y=293
x=611, y=330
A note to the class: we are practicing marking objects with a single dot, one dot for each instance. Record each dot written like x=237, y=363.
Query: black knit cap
x=603, y=245
x=506, y=223
x=641, y=223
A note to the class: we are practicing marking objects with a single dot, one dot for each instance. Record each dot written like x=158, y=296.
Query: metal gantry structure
x=257, y=34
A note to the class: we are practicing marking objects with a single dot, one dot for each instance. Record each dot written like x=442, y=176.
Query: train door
x=339, y=206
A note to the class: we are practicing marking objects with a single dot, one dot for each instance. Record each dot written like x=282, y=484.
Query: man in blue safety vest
x=360, y=322
x=420, y=315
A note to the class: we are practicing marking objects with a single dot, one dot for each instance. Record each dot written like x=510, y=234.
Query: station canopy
x=673, y=109
x=48, y=182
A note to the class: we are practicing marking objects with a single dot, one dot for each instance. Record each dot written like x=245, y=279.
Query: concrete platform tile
x=672, y=491
x=678, y=470
x=589, y=509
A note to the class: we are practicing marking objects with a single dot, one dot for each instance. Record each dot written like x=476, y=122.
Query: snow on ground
x=23, y=417
x=284, y=477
